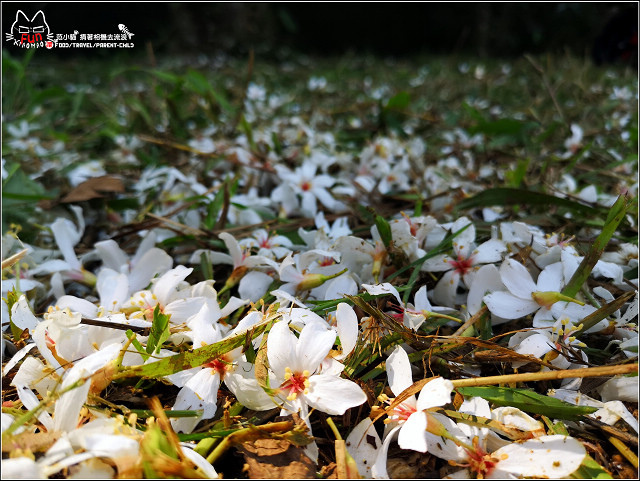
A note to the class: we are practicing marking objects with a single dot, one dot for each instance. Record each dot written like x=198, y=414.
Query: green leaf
x=168, y=77
x=197, y=357
x=508, y=130
x=384, y=229
x=392, y=114
x=516, y=176
x=590, y=469
x=246, y=128
x=617, y=212
x=206, y=266
x=277, y=146
x=505, y=127
x=507, y=196
x=197, y=82
x=214, y=208
x=12, y=297
x=159, y=331
x=131, y=335
x=528, y=401
x=400, y=101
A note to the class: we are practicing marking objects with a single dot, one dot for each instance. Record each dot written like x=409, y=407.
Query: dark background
x=398, y=29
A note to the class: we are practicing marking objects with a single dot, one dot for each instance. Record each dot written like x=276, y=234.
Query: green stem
x=616, y=214
x=333, y=427
x=605, y=311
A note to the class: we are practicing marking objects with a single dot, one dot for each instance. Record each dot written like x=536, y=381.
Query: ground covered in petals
x=335, y=268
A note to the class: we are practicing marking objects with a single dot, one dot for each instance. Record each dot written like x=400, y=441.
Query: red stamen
x=462, y=265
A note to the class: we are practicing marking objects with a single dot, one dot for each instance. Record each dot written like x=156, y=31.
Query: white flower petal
x=22, y=468
x=22, y=316
x=490, y=251
x=444, y=293
x=242, y=382
x=620, y=388
x=313, y=345
x=536, y=345
x=111, y=254
x=347, y=327
x=254, y=285
x=513, y=417
x=462, y=242
x=234, y=249
x=379, y=469
x=204, y=465
x=363, y=444
x=508, y=306
x=152, y=262
x=113, y=289
x=421, y=301
x=337, y=288
x=166, y=285
x=517, y=279
x=281, y=344
x=437, y=263
x=550, y=279
x=75, y=304
x=333, y=395
x=435, y=393
x=551, y=457
x=399, y=371
x=412, y=433
x=16, y=358
x=69, y=404
x=384, y=288
x=486, y=280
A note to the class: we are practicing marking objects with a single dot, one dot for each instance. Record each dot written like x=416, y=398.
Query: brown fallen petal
x=94, y=188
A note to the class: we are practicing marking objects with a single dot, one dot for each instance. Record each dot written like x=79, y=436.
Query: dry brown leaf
x=410, y=465
x=30, y=441
x=94, y=188
x=276, y=458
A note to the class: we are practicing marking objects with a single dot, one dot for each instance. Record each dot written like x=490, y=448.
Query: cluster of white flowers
x=304, y=370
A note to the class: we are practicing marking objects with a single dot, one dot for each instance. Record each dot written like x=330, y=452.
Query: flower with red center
x=269, y=245
x=468, y=445
x=305, y=186
x=549, y=457
x=408, y=420
x=479, y=462
x=296, y=363
x=164, y=293
x=463, y=264
x=413, y=227
x=295, y=383
x=327, y=261
x=221, y=365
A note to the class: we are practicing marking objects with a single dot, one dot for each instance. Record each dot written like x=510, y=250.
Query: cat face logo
x=30, y=33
